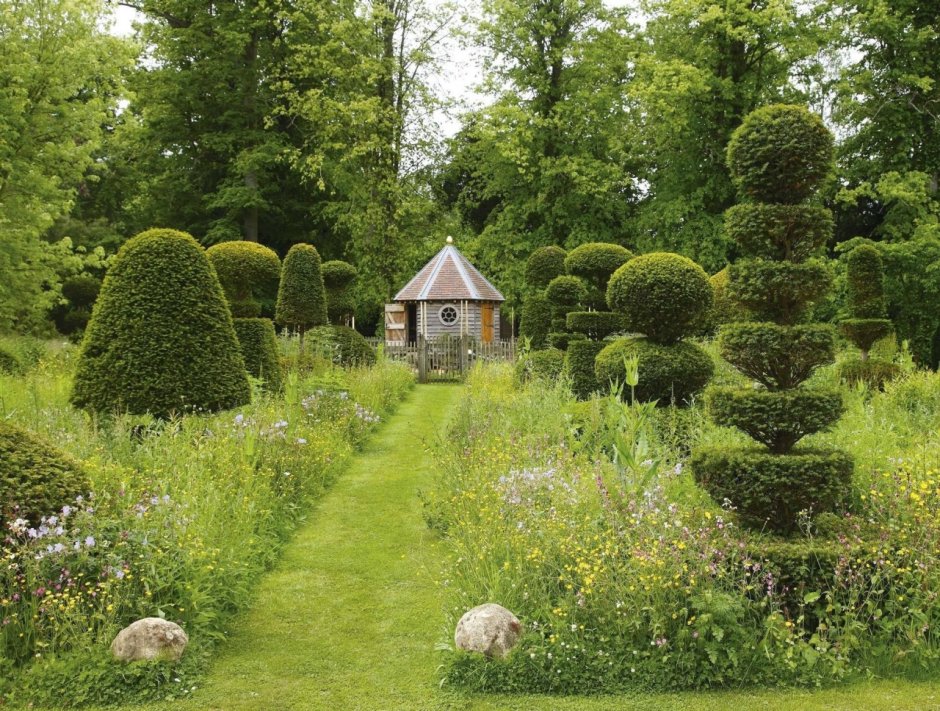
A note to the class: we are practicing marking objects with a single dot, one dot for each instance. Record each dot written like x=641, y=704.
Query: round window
x=448, y=315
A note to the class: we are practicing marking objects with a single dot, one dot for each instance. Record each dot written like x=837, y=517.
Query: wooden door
x=487, y=312
x=396, y=328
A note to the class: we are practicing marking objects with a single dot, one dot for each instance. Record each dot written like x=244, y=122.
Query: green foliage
x=595, y=263
x=661, y=295
x=672, y=374
x=596, y=325
x=872, y=372
x=778, y=357
x=536, y=319
x=301, y=298
x=338, y=274
x=543, y=265
x=249, y=274
x=864, y=270
x=161, y=338
x=81, y=291
x=562, y=339
x=724, y=309
x=913, y=293
x=864, y=332
x=348, y=347
x=800, y=569
x=338, y=278
x=258, y=345
x=546, y=365
x=565, y=294
x=9, y=360
x=770, y=490
x=778, y=291
x=790, y=233
x=780, y=154
x=776, y=419
x=36, y=479
x=579, y=365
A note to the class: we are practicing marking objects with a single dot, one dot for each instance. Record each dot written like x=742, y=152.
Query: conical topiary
x=301, y=297
x=160, y=339
x=778, y=158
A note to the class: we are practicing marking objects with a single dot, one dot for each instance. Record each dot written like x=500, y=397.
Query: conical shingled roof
x=449, y=276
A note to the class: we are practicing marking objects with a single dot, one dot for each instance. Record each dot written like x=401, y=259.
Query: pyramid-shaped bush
x=778, y=158
x=301, y=296
x=160, y=339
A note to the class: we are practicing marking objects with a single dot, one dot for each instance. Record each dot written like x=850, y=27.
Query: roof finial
x=450, y=240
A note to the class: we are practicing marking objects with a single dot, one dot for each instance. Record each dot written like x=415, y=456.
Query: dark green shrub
x=338, y=277
x=595, y=263
x=160, y=338
x=780, y=154
x=778, y=420
x=865, y=332
x=798, y=567
x=594, y=324
x=349, y=347
x=258, y=344
x=36, y=479
x=873, y=372
x=248, y=273
x=563, y=339
x=667, y=374
x=579, y=364
x=536, y=320
x=661, y=295
x=864, y=271
x=778, y=357
x=81, y=291
x=724, y=308
x=547, y=365
x=778, y=291
x=543, y=265
x=564, y=294
x=791, y=233
x=9, y=361
x=301, y=297
x=770, y=490
x=911, y=270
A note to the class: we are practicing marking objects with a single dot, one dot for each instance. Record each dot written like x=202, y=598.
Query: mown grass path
x=349, y=618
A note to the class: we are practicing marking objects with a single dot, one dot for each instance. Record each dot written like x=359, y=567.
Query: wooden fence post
x=422, y=359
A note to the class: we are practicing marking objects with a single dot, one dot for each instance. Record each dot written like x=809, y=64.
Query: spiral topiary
x=160, y=339
x=595, y=263
x=664, y=296
x=36, y=479
x=778, y=156
x=249, y=274
x=543, y=265
x=301, y=296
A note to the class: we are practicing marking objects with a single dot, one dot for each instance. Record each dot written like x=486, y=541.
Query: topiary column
x=867, y=322
x=778, y=158
x=301, y=297
x=665, y=297
x=160, y=339
x=543, y=265
x=338, y=278
x=249, y=274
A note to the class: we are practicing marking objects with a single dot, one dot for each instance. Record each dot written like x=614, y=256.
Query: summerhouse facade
x=447, y=297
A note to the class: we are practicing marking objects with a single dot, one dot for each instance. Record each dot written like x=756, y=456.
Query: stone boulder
x=150, y=638
x=489, y=629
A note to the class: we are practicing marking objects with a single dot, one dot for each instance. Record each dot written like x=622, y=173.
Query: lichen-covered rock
x=489, y=629
x=150, y=638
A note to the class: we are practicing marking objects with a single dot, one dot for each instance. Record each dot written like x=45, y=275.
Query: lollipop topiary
x=867, y=323
x=249, y=274
x=160, y=339
x=338, y=278
x=301, y=297
x=778, y=157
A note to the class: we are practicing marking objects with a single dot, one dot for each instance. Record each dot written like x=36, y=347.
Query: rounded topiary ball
x=249, y=274
x=595, y=262
x=36, y=479
x=160, y=339
x=544, y=264
x=780, y=153
x=565, y=293
x=338, y=274
x=667, y=374
x=662, y=295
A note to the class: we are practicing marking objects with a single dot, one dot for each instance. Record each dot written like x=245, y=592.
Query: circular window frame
x=440, y=315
